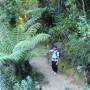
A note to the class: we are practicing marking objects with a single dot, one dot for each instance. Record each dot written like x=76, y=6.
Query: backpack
x=61, y=52
x=57, y=53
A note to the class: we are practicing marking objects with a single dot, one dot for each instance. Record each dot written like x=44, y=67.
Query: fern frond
x=36, y=11
x=27, y=45
x=30, y=22
x=33, y=30
x=18, y=56
x=39, y=38
x=23, y=48
x=36, y=14
x=2, y=54
x=4, y=59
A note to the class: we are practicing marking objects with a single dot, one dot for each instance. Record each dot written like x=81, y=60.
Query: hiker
x=54, y=57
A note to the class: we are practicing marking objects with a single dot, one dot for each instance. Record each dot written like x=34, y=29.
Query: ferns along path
x=29, y=29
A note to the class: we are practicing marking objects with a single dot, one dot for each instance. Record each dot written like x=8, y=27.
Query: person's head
x=55, y=47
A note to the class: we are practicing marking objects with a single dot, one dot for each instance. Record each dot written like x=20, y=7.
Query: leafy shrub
x=26, y=84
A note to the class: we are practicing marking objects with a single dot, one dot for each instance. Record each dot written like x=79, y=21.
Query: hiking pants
x=54, y=66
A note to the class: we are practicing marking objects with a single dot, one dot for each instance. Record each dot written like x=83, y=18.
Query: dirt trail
x=56, y=82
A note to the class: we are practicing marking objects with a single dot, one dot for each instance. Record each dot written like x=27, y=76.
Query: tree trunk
x=59, y=6
x=23, y=69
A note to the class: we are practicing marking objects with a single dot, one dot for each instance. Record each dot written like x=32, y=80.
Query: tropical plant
x=18, y=40
x=24, y=85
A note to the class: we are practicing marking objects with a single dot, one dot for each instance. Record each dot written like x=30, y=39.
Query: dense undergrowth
x=26, y=23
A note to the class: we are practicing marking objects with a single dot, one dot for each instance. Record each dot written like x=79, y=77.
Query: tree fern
x=30, y=22
x=35, y=15
x=21, y=49
x=33, y=30
x=31, y=44
x=11, y=36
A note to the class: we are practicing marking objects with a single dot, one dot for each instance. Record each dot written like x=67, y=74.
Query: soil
x=55, y=82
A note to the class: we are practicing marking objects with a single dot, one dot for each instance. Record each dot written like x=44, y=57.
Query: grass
x=69, y=71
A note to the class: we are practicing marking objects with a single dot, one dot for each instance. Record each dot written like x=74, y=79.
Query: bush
x=26, y=84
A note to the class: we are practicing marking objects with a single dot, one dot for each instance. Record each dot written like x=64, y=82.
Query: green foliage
x=33, y=30
x=21, y=49
x=55, y=32
x=72, y=29
x=43, y=50
x=17, y=42
x=35, y=16
x=36, y=11
x=10, y=38
x=76, y=49
x=24, y=85
x=7, y=75
x=29, y=3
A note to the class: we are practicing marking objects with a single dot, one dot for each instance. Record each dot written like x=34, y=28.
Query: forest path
x=55, y=82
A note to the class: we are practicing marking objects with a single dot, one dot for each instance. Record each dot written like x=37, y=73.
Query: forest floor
x=55, y=82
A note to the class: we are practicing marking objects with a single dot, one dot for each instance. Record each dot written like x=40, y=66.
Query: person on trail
x=54, y=57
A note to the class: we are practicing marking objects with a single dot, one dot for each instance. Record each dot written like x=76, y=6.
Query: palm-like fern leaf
x=27, y=45
x=36, y=11
x=30, y=22
x=21, y=49
x=36, y=14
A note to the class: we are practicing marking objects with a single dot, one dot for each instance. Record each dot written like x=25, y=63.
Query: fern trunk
x=23, y=69
x=59, y=6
